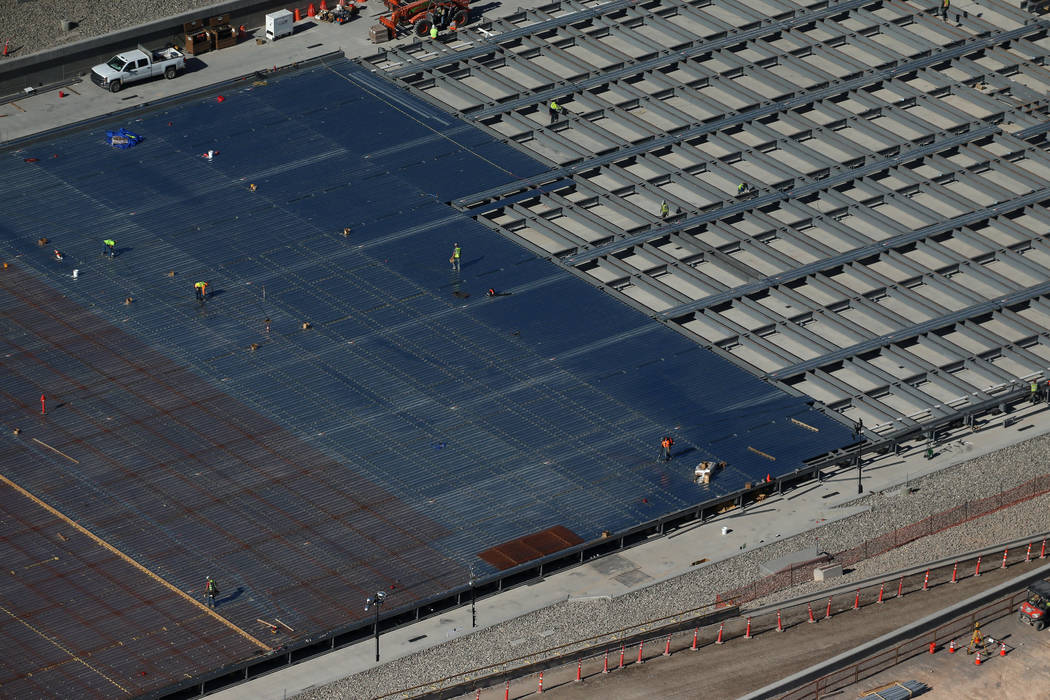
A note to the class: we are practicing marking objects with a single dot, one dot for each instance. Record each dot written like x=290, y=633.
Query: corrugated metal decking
x=412, y=425
x=893, y=173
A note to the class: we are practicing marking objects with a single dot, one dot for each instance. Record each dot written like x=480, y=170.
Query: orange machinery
x=420, y=15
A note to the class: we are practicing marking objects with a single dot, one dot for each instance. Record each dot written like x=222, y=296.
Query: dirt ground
x=743, y=665
x=1023, y=674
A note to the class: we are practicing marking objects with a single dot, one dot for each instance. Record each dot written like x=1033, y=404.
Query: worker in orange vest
x=665, y=448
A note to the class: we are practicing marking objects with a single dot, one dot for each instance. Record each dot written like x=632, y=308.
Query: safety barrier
x=800, y=573
x=578, y=666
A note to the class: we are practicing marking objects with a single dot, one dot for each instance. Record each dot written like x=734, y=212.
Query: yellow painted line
x=106, y=545
x=41, y=442
x=71, y=654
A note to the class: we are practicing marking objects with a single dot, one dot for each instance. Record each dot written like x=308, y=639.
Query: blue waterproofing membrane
x=486, y=418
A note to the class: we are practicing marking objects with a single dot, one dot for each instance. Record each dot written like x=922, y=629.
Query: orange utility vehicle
x=1034, y=610
x=419, y=16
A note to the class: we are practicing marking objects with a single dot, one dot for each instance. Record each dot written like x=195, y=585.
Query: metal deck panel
x=416, y=423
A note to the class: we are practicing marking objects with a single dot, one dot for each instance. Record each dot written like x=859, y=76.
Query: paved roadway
x=656, y=560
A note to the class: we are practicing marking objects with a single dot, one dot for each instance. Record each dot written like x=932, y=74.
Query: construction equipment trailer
x=420, y=15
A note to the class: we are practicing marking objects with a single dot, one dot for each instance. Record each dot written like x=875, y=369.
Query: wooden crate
x=197, y=43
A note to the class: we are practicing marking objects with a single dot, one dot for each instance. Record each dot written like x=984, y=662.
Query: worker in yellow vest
x=554, y=110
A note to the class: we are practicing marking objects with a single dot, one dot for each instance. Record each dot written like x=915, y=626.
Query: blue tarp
x=122, y=139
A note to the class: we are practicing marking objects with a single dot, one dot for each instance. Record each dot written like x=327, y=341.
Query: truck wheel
x=1039, y=625
x=461, y=18
x=422, y=27
x=169, y=72
x=115, y=86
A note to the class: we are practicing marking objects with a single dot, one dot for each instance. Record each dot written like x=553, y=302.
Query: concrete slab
x=780, y=563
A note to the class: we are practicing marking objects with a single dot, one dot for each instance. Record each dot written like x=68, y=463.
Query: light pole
x=376, y=602
x=473, y=609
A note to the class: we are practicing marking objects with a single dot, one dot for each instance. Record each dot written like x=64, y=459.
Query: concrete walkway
x=85, y=100
x=661, y=558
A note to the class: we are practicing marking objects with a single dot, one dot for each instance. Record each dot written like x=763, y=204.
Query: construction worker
x=1033, y=396
x=433, y=31
x=665, y=448
x=664, y=209
x=58, y=255
x=210, y=591
x=456, y=254
x=201, y=288
x=945, y=4
x=108, y=247
x=741, y=189
x=554, y=110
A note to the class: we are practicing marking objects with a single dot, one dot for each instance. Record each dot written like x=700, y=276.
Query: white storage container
x=278, y=24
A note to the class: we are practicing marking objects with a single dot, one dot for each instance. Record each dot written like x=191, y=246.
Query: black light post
x=473, y=609
x=375, y=602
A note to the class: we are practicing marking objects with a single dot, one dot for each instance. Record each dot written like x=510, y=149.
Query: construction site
x=370, y=350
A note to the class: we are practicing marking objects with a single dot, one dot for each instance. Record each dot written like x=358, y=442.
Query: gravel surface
x=565, y=622
x=35, y=25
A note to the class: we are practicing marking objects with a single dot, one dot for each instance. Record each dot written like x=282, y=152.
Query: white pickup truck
x=133, y=66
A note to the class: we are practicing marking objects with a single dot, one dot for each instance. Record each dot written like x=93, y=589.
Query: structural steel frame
x=888, y=256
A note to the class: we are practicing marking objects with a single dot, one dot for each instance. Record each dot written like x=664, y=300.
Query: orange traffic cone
x=296, y=16
x=951, y=647
x=1002, y=649
x=311, y=11
x=324, y=5
x=977, y=661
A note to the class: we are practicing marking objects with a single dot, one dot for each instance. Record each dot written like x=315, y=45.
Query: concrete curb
x=910, y=571
x=914, y=629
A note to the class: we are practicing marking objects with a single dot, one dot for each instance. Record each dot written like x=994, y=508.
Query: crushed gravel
x=562, y=623
x=35, y=25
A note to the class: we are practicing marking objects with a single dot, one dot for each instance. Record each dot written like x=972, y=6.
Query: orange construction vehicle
x=420, y=15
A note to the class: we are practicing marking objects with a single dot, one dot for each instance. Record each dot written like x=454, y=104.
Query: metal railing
x=960, y=628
